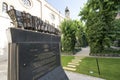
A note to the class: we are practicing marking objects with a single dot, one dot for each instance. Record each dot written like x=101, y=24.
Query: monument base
x=34, y=56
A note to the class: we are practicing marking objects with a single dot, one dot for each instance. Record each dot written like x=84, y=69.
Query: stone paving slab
x=77, y=76
x=3, y=70
x=70, y=63
x=72, y=66
x=69, y=68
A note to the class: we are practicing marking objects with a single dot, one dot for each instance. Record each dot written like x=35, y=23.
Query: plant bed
x=108, y=52
x=106, y=55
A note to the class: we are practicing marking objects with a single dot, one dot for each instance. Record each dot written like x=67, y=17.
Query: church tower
x=67, y=13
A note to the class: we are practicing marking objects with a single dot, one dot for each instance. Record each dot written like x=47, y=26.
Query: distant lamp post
x=118, y=14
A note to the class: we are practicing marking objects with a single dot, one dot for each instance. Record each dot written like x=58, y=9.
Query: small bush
x=111, y=50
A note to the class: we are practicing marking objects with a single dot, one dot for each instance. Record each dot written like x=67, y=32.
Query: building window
x=26, y=3
x=47, y=21
x=11, y=7
x=53, y=24
x=4, y=7
x=52, y=16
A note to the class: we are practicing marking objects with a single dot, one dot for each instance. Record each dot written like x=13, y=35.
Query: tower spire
x=67, y=13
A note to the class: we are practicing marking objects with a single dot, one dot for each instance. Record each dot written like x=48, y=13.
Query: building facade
x=39, y=8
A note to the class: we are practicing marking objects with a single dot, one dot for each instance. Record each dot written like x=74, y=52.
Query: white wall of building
x=49, y=12
x=39, y=8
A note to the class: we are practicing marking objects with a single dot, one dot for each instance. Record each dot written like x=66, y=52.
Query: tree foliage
x=68, y=35
x=80, y=34
x=116, y=24
x=72, y=34
x=98, y=16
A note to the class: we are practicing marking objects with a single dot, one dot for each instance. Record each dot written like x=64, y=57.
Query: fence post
x=98, y=66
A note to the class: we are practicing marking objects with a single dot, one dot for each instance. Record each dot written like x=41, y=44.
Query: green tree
x=68, y=35
x=116, y=24
x=80, y=34
x=98, y=16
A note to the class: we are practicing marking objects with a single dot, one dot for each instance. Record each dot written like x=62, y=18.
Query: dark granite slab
x=34, y=56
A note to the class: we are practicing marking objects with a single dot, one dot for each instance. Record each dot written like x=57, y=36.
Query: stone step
x=80, y=60
x=73, y=63
x=72, y=66
x=70, y=69
x=76, y=60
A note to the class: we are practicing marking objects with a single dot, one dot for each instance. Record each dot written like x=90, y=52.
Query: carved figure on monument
x=27, y=21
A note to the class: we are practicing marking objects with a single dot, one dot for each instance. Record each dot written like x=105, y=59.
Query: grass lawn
x=109, y=67
x=66, y=59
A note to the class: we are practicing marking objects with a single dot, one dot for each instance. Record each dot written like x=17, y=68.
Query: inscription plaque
x=35, y=60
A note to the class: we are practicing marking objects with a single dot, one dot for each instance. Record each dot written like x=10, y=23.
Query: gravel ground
x=76, y=76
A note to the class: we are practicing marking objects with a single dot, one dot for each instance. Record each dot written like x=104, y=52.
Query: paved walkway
x=3, y=70
x=84, y=52
x=71, y=66
x=76, y=76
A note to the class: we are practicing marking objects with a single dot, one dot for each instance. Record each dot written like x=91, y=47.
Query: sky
x=73, y=5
